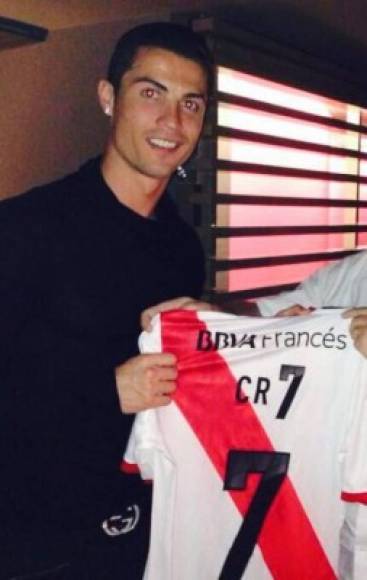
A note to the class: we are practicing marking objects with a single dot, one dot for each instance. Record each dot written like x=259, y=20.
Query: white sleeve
x=150, y=340
x=146, y=450
x=309, y=293
x=142, y=444
x=340, y=284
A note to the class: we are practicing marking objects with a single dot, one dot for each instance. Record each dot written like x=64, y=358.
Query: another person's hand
x=184, y=302
x=146, y=381
x=294, y=310
x=358, y=328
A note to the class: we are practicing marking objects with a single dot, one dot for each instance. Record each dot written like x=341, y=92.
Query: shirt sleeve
x=333, y=285
x=309, y=293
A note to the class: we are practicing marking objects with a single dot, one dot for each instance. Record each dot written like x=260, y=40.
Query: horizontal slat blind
x=291, y=183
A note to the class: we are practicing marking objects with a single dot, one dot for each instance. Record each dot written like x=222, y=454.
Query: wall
x=50, y=120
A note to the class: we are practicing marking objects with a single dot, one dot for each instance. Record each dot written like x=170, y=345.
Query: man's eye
x=192, y=106
x=149, y=93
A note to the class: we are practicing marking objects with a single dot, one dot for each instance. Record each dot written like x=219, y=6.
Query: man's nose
x=171, y=115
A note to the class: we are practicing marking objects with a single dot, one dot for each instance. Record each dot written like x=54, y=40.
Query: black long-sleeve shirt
x=77, y=267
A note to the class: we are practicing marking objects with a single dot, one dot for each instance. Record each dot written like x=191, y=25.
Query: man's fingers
x=358, y=328
x=156, y=376
x=146, y=381
x=163, y=388
x=161, y=359
x=353, y=312
x=198, y=305
x=166, y=373
x=294, y=310
x=360, y=340
x=360, y=322
x=162, y=379
x=354, y=333
x=160, y=401
x=147, y=315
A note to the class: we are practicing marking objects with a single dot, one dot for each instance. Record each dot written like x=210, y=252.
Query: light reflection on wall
x=248, y=119
x=273, y=155
x=259, y=184
x=243, y=279
x=245, y=85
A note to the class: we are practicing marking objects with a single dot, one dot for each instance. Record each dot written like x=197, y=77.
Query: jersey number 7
x=273, y=466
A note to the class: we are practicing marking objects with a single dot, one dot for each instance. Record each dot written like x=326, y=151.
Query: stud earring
x=181, y=173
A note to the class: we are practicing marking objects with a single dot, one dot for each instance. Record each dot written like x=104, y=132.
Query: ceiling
x=346, y=17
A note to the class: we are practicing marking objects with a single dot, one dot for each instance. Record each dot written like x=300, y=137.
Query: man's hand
x=184, y=302
x=146, y=381
x=295, y=310
x=358, y=328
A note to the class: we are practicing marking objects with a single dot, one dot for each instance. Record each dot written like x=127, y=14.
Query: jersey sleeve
x=147, y=453
x=145, y=445
x=150, y=341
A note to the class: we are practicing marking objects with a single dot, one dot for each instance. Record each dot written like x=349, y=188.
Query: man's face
x=158, y=113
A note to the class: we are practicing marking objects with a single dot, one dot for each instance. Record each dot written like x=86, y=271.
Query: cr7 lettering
x=261, y=387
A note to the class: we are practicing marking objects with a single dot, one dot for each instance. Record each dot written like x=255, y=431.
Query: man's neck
x=139, y=192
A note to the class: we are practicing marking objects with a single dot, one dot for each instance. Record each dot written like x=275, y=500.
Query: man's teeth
x=163, y=143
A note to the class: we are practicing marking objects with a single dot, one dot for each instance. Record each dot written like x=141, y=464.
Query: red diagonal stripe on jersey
x=288, y=542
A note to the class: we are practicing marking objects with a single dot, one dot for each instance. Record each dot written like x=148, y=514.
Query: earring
x=107, y=110
x=181, y=173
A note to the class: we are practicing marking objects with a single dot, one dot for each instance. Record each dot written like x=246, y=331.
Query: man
x=80, y=259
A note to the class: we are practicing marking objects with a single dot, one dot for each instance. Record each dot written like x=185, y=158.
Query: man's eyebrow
x=201, y=96
x=159, y=85
x=151, y=81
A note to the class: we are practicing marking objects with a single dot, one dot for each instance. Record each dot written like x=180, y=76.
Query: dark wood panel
x=232, y=264
x=231, y=232
x=237, y=199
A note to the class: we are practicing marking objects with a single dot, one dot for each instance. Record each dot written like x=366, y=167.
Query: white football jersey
x=268, y=427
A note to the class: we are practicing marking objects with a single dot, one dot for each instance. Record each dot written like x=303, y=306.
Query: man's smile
x=163, y=143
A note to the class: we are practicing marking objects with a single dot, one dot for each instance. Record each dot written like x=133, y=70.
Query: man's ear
x=106, y=97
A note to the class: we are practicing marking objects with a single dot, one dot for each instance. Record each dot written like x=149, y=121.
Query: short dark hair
x=166, y=35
